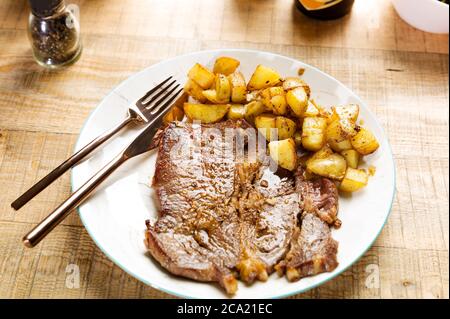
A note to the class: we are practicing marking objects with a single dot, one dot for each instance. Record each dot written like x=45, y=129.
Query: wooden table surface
x=401, y=73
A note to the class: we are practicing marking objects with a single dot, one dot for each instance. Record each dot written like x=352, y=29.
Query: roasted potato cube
x=326, y=114
x=253, y=96
x=175, y=114
x=206, y=113
x=364, y=142
x=236, y=112
x=349, y=112
x=290, y=83
x=322, y=153
x=313, y=133
x=354, y=180
x=333, y=166
x=297, y=138
x=225, y=65
x=341, y=146
x=311, y=110
x=297, y=99
x=266, y=98
x=239, y=94
x=252, y=110
x=238, y=87
x=274, y=100
x=211, y=95
x=201, y=75
x=286, y=127
x=279, y=104
x=276, y=90
x=339, y=133
x=352, y=157
x=223, y=88
x=194, y=90
x=262, y=78
x=348, y=127
x=266, y=123
x=284, y=153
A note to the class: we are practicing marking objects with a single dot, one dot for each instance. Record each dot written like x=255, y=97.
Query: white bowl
x=426, y=15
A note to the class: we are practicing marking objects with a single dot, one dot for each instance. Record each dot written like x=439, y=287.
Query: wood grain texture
x=401, y=73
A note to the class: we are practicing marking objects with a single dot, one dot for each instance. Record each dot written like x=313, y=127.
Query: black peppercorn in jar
x=54, y=33
x=324, y=9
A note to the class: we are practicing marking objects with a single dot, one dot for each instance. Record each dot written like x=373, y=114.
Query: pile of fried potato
x=281, y=109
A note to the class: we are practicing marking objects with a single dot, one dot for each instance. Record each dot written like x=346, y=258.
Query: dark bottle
x=324, y=9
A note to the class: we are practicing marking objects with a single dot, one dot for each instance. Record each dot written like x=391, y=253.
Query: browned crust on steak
x=319, y=196
x=193, y=269
x=313, y=250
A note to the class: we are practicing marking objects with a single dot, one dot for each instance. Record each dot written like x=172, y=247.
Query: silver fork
x=139, y=112
x=141, y=144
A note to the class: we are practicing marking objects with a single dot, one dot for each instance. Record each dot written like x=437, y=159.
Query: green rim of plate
x=93, y=112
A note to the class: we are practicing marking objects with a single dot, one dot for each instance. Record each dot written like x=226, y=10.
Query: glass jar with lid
x=54, y=32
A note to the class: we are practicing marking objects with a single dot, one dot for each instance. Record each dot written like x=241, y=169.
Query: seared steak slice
x=274, y=229
x=267, y=218
x=312, y=250
x=215, y=216
x=196, y=234
x=319, y=195
x=183, y=255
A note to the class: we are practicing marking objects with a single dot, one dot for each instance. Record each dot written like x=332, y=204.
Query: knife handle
x=69, y=163
x=57, y=216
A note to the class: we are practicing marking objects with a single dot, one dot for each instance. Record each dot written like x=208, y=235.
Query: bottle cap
x=45, y=8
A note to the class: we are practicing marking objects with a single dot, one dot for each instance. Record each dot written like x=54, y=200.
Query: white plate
x=114, y=215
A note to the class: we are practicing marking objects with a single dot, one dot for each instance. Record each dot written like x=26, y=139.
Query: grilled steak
x=222, y=218
x=217, y=213
x=319, y=196
x=312, y=251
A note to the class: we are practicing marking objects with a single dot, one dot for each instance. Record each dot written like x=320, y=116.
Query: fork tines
x=150, y=100
x=146, y=95
x=168, y=102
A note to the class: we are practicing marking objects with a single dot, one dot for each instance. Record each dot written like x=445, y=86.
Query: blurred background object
x=54, y=33
x=324, y=9
x=426, y=15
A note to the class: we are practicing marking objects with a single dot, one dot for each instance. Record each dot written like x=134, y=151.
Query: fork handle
x=69, y=163
x=57, y=216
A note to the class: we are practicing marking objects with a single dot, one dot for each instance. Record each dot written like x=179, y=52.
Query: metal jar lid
x=45, y=8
